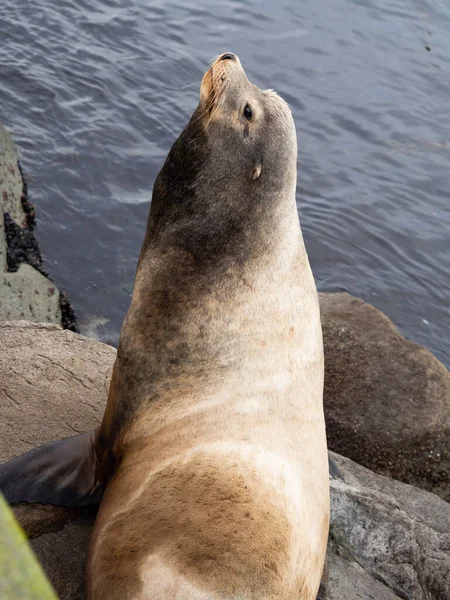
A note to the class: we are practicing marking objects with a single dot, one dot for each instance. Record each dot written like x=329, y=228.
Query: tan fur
x=221, y=485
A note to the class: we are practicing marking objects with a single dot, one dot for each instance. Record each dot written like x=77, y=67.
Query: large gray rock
x=24, y=293
x=388, y=540
x=387, y=400
x=398, y=534
x=349, y=581
x=54, y=384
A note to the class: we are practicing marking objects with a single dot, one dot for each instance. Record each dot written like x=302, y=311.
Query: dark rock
x=387, y=400
x=22, y=246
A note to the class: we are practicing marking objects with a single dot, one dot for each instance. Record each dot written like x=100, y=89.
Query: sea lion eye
x=248, y=114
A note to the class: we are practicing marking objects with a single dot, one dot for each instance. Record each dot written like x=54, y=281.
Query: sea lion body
x=221, y=489
x=212, y=447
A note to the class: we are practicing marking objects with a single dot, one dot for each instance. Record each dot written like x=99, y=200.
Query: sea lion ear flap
x=63, y=473
x=256, y=170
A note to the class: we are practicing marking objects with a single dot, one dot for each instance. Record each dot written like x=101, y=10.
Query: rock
x=54, y=384
x=387, y=400
x=349, y=581
x=388, y=540
x=399, y=535
x=11, y=180
x=28, y=295
x=25, y=290
x=63, y=556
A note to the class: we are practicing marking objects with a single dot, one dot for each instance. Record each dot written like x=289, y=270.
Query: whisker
x=208, y=108
x=215, y=108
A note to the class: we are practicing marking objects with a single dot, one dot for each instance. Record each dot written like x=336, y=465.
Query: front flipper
x=63, y=473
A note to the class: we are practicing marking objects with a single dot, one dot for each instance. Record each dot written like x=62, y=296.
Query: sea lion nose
x=228, y=56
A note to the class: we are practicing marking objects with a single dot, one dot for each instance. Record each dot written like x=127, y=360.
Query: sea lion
x=212, y=447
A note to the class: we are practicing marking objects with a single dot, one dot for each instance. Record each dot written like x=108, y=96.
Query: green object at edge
x=21, y=577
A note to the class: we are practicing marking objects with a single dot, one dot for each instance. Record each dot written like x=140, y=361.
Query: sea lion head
x=229, y=177
x=251, y=128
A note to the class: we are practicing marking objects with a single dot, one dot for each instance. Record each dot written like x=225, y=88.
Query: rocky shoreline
x=388, y=540
x=387, y=407
x=26, y=290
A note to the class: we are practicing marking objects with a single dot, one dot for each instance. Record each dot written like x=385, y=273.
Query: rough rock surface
x=53, y=384
x=398, y=534
x=25, y=291
x=388, y=540
x=63, y=555
x=387, y=400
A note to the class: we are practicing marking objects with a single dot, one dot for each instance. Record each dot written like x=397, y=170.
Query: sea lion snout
x=225, y=68
x=227, y=63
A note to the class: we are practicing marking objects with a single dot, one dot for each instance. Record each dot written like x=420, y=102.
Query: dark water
x=96, y=91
